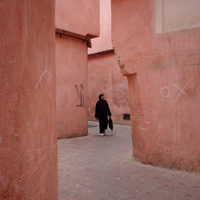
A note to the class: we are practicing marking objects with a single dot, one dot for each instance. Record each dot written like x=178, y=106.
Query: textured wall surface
x=71, y=83
x=80, y=16
x=28, y=144
x=103, y=73
x=163, y=75
x=173, y=15
x=104, y=77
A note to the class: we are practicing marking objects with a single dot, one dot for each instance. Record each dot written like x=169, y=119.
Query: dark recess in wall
x=126, y=116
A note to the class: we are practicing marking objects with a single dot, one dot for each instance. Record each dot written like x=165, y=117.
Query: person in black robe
x=102, y=112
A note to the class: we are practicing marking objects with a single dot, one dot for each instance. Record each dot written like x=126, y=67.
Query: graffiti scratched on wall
x=80, y=92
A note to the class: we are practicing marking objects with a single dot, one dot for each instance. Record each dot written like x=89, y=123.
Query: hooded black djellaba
x=102, y=112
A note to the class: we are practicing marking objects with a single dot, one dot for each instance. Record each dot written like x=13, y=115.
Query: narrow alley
x=103, y=168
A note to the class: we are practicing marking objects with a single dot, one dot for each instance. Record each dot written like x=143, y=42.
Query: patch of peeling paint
x=118, y=58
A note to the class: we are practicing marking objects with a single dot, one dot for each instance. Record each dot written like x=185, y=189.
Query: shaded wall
x=163, y=75
x=71, y=65
x=28, y=143
x=71, y=83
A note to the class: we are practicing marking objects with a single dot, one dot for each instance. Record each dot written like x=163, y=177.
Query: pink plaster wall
x=28, y=145
x=105, y=77
x=103, y=42
x=80, y=16
x=71, y=83
x=103, y=73
x=163, y=74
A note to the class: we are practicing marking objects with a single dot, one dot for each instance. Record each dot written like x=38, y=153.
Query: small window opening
x=126, y=116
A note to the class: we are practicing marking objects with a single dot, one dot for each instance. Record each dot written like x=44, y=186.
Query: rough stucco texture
x=71, y=84
x=104, y=77
x=28, y=145
x=163, y=75
x=80, y=16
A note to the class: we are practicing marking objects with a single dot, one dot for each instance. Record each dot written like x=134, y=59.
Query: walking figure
x=102, y=112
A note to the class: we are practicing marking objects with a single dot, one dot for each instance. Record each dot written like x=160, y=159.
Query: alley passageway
x=103, y=168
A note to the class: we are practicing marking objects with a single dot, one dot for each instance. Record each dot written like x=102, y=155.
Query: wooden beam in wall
x=75, y=35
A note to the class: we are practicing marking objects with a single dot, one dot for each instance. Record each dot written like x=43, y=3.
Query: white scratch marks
x=165, y=95
x=144, y=125
x=182, y=90
x=40, y=181
x=45, y=75
x=197, y=89
x=40, y=149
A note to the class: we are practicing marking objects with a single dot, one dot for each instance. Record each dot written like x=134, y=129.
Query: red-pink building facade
x=103, y=73
x=80, y=20
x=105, y=77
x=160, y=59
x=28, y=140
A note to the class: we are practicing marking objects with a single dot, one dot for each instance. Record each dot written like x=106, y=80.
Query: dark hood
x=100, y=97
